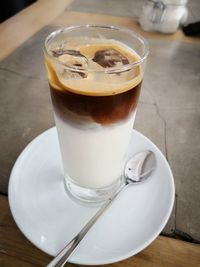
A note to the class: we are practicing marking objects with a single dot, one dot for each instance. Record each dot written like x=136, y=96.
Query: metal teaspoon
x=137, y=169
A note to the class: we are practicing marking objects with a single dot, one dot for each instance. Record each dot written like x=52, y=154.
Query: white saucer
x=49, y=218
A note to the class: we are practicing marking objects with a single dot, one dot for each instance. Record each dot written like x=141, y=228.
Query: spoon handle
x=64, y=255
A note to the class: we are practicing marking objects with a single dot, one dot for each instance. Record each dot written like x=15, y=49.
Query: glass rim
x=106, y=70
x=183, y=3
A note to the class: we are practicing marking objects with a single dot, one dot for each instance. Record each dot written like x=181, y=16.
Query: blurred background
x=11, y=7
x=131, y=8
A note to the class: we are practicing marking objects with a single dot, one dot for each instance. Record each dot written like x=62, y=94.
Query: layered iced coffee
x=95, y=85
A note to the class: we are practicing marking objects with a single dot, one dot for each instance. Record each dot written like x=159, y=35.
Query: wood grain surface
x=16, y=30
x=16, y=250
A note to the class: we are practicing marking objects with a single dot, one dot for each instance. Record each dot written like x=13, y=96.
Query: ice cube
x=60, y=51
x=110, y=58
x=72, y=59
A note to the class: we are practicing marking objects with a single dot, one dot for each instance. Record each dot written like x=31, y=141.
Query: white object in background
x=163, y=16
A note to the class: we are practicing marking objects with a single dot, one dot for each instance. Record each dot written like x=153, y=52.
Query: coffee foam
x=98, y=82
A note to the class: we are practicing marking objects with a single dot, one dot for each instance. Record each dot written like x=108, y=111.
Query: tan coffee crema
x=97, y=82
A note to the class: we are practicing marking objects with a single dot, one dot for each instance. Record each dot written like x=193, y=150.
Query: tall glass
x=95, y=74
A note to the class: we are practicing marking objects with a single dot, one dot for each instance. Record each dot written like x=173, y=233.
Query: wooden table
x=15, y=249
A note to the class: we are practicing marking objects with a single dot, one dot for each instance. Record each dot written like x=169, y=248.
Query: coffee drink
x=95, y=85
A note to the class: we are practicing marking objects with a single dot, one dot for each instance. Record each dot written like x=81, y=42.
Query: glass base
x=90, y=194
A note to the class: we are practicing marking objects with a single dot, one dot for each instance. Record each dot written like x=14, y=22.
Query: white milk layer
x=95, y=157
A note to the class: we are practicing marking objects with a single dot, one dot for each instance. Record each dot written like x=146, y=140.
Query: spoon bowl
x=140, y=166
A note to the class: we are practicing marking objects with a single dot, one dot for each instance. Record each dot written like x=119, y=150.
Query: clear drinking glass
x=95, y=74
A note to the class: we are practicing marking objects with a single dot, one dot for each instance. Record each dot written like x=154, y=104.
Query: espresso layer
x=102, y=109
